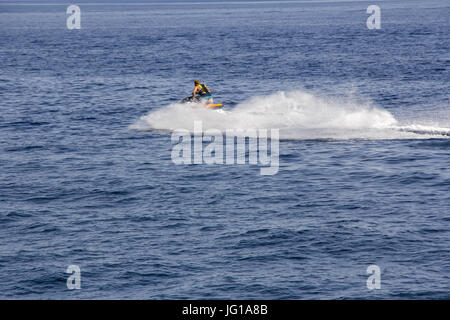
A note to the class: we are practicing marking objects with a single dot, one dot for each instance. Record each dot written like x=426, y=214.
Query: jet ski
x=190, y=100
x=196, y=103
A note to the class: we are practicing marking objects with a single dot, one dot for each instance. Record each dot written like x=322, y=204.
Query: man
x=203, y=91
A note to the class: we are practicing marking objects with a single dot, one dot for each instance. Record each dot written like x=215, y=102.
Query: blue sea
x=87, y=176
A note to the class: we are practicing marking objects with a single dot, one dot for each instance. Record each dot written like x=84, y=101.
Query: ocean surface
x=86, y=170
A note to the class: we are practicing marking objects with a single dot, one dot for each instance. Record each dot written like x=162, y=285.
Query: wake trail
x=424, y=130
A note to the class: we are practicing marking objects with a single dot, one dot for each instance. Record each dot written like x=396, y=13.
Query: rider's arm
x=193, y=92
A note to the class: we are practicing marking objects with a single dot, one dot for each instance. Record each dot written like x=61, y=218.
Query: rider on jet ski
x=203, y=91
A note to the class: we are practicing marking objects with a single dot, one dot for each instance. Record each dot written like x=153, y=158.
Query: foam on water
x=298, y=115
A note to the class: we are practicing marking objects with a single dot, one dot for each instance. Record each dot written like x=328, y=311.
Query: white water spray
x=298, y=115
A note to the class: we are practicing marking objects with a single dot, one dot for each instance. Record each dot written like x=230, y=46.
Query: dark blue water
x=85, y=151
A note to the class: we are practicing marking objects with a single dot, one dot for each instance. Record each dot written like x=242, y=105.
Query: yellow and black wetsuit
x=203, y=91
